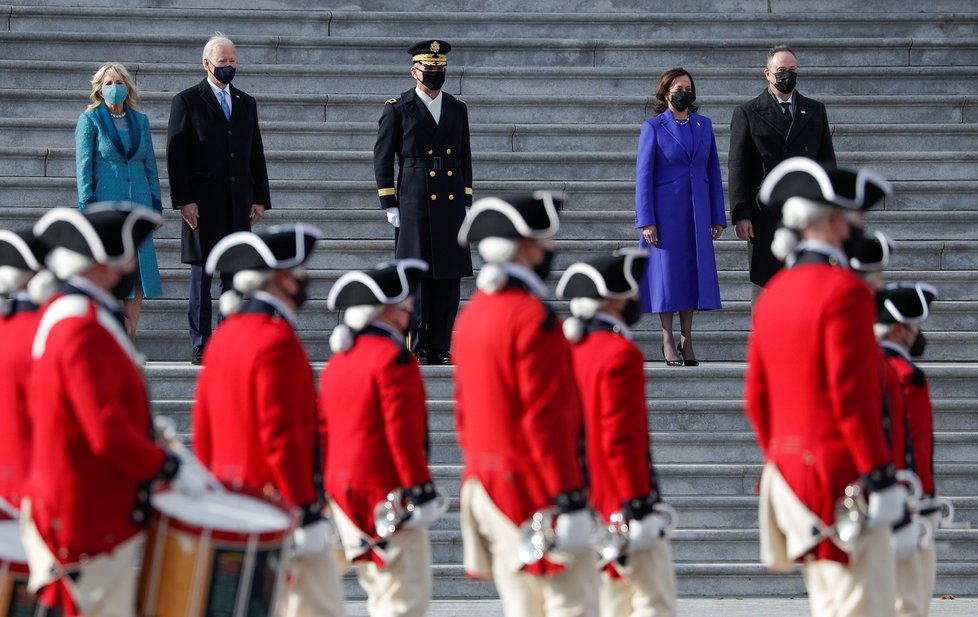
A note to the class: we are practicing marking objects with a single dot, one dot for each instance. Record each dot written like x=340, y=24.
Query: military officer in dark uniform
x=427, y=131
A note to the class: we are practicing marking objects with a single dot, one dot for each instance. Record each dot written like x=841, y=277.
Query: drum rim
x=236, y=537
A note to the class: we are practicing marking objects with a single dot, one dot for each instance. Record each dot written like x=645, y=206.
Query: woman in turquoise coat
x=115, y=162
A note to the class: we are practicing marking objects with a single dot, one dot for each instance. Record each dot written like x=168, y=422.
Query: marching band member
x=23, y=289
x=610, y=375
x=372, y=403
x=92, y=452
x=254, y=420
x=813, y=395
x=519, y=420
x=902, y=309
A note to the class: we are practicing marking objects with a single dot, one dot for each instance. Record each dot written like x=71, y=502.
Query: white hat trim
x=402, y=265
x=885, y=242
x=921, y=288
x=84, y=226
x=592, y=273
x=22, y=248
x=800, y=163
x=510, y=212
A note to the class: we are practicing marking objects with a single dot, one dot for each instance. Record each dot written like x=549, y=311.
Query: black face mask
x=855, y=243
x=433, y=80
x=681, y=100
x=542, y=269
x=302, y=293
x=786, y=81
x=124, y=287
x=632, y=312
x=224, y=74
x=918, y=346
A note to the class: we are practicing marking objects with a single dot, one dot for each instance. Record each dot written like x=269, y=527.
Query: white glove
x=646, y=532
x=887, y=506
x=574, y=531
x=427, y=513
x=394, y=216
x=191, y=479
x=312, y=539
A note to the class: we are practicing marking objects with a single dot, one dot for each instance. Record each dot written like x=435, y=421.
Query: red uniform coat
x=895, y=414
x=611, y=381
x=372, y=403
x=91, y=445
x=813, y=389
x=254, y=419
x=17, y=333
x=516, y=406
x=920, y=417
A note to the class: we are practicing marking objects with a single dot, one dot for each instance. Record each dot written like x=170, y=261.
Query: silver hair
x=776, y=50
x=218, y=38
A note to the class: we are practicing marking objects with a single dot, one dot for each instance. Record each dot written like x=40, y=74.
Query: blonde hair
x=120, y=70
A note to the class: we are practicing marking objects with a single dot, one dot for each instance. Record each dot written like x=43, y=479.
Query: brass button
x=449, y=173
x=434, y=197
x=232, y=155
x=433, y=174
x=449, y=151
x=451, y=197
x=431, y=151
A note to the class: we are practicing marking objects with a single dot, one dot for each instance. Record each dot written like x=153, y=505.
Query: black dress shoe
x=440, y=357
x=196, y=355
x=668, y=361
x=422, y=355
x=693, y=362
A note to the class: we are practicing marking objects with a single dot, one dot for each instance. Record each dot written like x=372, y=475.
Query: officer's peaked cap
x=843, y=188
x=907, y=303
x=109, y=233
x=280, y=248
x=612, y=276
x=22, y=250
x=873, y=254
x=534, y=216
x=430, y=52
x=390, y=283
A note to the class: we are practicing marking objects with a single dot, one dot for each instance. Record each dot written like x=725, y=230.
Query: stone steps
x=452, y=25
x=391, y=77
x=502, y=137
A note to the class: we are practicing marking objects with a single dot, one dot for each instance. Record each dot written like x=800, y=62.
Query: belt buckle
x=436, y=163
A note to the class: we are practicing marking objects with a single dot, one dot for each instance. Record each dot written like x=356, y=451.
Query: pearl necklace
x=118, y=116
x=682, y=122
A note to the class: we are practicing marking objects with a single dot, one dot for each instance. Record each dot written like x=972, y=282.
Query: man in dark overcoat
x=427, y=131
x=218, y=180
x=779, y=124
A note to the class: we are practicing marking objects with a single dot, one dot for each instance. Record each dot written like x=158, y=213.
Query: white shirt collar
x=623, y=328
x=433, y=104
x=533, y=282
x=387, y=328
x=217, y=92
x=287, y=313
x=97, y=293
x=900, y=350
x=818, y=246
x=790, y=101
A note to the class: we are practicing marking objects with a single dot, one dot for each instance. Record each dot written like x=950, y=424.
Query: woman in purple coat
x=679, y=208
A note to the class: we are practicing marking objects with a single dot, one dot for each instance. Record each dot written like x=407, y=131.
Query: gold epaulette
x=391, y=101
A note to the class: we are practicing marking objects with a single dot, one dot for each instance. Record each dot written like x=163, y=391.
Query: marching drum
x=14, y=598
x=219, y=554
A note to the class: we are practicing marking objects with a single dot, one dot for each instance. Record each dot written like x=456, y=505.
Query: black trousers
x=435, y=307
x=199, y=306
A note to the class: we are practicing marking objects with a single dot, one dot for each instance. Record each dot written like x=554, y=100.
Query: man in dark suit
x=428, y=132
x=777, y=125
x=218, y=180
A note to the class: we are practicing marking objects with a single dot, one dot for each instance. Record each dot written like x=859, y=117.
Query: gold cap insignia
x=435, y=47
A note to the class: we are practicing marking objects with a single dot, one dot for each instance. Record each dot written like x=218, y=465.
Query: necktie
x=224, y=105
x=787, y=111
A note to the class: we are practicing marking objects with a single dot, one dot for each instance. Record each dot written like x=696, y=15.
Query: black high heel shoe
x=686, y=362
x=668, y=361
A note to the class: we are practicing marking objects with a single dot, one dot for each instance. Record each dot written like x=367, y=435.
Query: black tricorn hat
x=22, y=250
x=534, y=216
x=803, y=177
x=907, y=303
x=873, y=253
x=390, y=283
x=612, y=276
x=280, y=248
x=430, y=52
x=107, y=232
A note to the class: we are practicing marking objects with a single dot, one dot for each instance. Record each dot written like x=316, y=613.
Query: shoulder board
x=460, y=100
x=391, y=101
